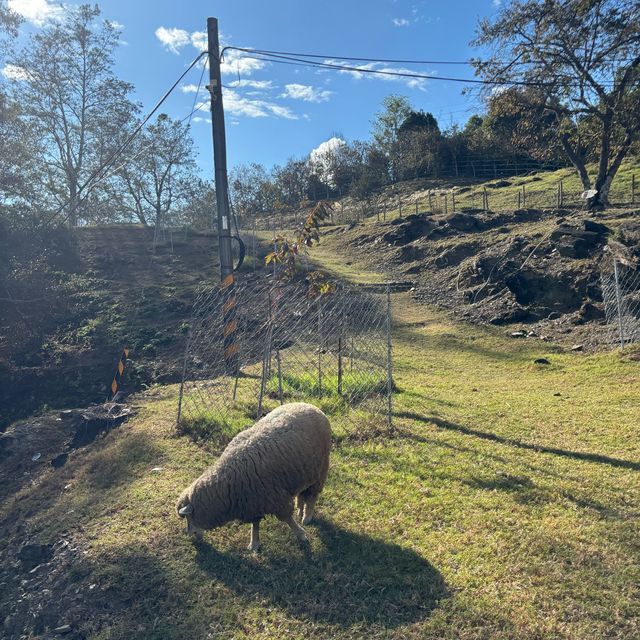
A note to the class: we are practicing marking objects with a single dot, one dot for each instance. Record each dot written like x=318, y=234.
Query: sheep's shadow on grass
x=352, y=579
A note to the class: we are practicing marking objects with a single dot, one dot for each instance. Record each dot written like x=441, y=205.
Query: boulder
x=576, y=242
x=462, y=222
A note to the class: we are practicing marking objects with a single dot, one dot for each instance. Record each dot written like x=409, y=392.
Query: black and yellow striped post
x=119, y=375
x=230, y=324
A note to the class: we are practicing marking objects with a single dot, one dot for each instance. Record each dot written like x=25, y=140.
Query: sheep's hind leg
x=310, y=497
x=254, y=545
x=298, y=531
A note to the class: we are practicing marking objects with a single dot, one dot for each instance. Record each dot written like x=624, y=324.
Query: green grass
x=504, y=506
x=541, y=191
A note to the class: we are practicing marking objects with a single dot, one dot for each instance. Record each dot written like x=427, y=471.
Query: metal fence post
x=319, y=303
x=618, y=301
x=339, y=365
x=389, y=361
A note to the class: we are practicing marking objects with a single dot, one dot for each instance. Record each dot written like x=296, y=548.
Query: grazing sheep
x=283, y=455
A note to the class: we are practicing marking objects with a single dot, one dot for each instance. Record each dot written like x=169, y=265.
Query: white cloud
x=199, y=40
x=37, y=12
x=238, y=105
x=173, y=39
x=260, y=85
x=200, y=119
x=189, y=88
x=116, y=25
x=496, y=3
x=13, y=72
x=321, y=158
x=233, y=62
x=360, y=71
x=401, y=22
x=237, y=63
x=326, y=149
x=306, y=92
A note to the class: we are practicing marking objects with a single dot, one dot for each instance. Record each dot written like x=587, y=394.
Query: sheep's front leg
x=254, y=545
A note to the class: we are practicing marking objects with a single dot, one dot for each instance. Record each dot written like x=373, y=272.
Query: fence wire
x=621, y=294
x=332, y=350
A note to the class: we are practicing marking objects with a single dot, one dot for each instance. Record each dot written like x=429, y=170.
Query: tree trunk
x=601, y=186
x=576, y=161
x=603, y=183
x=73, y=205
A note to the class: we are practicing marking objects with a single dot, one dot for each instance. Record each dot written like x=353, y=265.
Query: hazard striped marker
x=117, y=379
x=229, y=323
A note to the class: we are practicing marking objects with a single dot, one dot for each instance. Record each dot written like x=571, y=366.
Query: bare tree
x=158, y=170
x=582, y=59
x=73, y=102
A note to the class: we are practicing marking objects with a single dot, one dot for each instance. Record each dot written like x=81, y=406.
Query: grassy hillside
x=504, y=506
x=504, y=194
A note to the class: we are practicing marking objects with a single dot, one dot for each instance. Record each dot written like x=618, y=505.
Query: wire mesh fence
x=621, y=294
x=333, y=350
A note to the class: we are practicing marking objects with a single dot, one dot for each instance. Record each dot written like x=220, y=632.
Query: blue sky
x=279, y=111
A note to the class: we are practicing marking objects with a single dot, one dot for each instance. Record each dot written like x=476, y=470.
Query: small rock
x=518, y=334
x=554, y=315
x=31, y=555
x=557, y=394
x=62, y=630
x=156, y=470
x=36, y=456
x=59, y=460
x=541, y=361
x=531, y=334
x=577, y=347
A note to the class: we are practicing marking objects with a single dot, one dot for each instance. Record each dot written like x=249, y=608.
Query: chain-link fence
x=333, y=350
x=621, y=293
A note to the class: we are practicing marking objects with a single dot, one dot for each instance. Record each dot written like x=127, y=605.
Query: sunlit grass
x=504, y=506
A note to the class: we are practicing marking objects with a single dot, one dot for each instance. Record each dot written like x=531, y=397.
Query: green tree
x=419, y=142
x=583, y=59
x=386, y=128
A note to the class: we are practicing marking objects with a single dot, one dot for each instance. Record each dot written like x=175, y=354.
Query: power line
x=311, y=60
x=351, y=58
x=276, y=58
x=96, y=175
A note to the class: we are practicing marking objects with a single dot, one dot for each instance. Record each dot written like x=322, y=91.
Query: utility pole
x=222, y=200
x=219, y=151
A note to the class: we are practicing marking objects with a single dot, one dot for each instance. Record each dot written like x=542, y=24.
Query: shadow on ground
x=352, y=579
x=512, y=442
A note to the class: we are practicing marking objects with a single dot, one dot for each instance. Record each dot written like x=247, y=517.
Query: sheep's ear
x=186, y=510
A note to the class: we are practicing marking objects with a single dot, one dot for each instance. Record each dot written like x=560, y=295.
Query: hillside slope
x=75, y=299
x=533, y=269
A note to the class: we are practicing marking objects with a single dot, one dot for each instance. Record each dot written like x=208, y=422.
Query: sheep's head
x=184, y=509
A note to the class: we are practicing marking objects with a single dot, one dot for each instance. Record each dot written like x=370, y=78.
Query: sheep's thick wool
x=263, y=468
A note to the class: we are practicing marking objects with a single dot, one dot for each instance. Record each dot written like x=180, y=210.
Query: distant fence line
x=492, y=197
